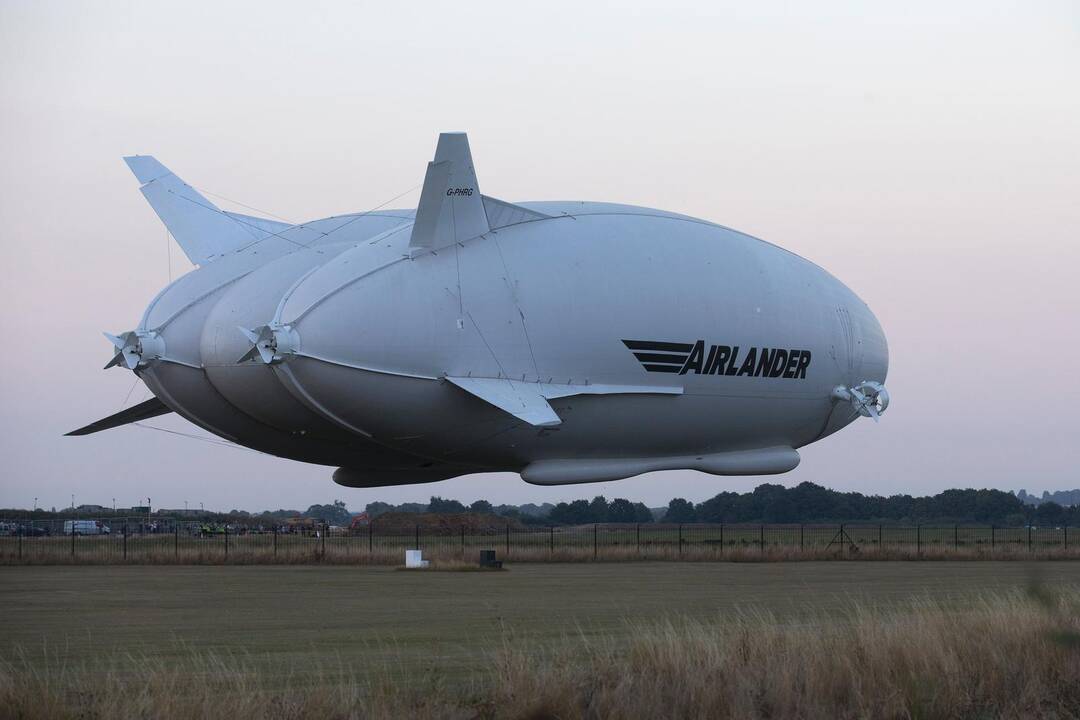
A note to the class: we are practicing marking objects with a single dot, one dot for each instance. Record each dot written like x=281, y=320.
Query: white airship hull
x=570, y=342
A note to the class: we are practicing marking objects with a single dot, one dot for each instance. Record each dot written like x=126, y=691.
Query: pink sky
x=926, y=154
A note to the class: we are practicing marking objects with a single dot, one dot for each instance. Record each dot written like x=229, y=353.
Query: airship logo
x=683, y=358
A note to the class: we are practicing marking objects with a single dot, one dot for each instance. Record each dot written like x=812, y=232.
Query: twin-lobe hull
x=571, y=342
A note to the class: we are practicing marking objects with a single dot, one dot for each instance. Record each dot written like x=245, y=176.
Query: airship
x=569, y=342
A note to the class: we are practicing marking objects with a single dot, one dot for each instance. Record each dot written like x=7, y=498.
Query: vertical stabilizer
x=202, y=230
x=451, y=208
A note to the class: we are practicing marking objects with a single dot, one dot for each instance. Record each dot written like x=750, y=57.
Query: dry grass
x=1015, y=655
x=1008, y=658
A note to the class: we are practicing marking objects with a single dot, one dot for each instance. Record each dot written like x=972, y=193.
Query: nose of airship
x=875, y=348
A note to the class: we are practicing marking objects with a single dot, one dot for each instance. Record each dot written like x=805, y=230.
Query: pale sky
x=926, y=153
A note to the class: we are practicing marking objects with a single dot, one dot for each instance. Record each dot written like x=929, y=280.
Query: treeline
x=768, y=503
x=527, y=512
x=578, y=512
x=775, y=504
x=809, y=503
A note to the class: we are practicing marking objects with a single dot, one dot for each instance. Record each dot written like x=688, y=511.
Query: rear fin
x=201, y=228
x=143, y=411
x=451, y=208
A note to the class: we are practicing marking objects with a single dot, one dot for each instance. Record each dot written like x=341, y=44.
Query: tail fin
x=143, y=411
x=451, y=208
x=202, y=230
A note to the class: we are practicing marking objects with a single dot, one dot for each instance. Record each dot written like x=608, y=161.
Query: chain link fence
x=139, y=540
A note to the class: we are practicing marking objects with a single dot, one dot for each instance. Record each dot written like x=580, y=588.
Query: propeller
x=134, y=348
x=269, y=343
x=869, y=398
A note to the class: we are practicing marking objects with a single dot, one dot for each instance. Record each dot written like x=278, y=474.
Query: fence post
x=462, y=542
x=176, y=539
x=802, y=537
x=637, y=532
x=20, y=545
x=226, y=541
x=992, y=537
x=1029, y=537
x=594, y=548
x=721, y=538
x=1065, y=529
x=507, y=539
x=72, y=538
x=275, y=540
x=370, y=535
x=680, y=539
x=956, y=537
x=417, y=528
x=325, y=529
x=762, y=539
x=125, y=539
x=551, y=531
x=918, y=540
x=879, y=538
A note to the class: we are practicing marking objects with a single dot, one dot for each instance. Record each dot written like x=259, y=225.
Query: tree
x=642, y=514
x=598, y=509
x=573, y=513
x=680, y=510
x=621, y=510
x=717, y=509
x=374, y=509
x=336, y=513
x=1049, y=513
x=482, y=507
x=439, y=505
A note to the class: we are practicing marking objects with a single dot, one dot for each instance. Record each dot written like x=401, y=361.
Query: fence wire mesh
x=139, y=540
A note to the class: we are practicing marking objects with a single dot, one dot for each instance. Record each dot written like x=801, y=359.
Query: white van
x=85, y=527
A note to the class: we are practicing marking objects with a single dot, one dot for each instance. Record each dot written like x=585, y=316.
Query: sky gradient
x=926, y=154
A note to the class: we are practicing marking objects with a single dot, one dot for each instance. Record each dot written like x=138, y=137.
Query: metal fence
x=137, y=540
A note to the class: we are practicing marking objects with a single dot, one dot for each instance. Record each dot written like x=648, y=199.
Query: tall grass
x=1010, y=656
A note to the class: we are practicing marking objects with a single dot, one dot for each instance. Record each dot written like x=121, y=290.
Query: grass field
x=539, y=640
x=293, y=616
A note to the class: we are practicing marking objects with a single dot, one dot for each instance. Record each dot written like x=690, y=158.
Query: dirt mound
x=401, y=523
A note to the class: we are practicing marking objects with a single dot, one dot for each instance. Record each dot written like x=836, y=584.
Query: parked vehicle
x=85, y=527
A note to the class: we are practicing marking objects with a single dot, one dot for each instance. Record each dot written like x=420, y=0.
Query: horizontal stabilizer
x=202, y=230
x=520, y=399
x=143, y=411
x=451, y=208
x=529, y=401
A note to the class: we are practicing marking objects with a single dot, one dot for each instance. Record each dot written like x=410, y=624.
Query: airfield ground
x=287, y=619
